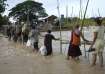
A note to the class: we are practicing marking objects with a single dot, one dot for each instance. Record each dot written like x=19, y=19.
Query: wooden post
x=67, y=12
x=59, y=26
x=83, y=23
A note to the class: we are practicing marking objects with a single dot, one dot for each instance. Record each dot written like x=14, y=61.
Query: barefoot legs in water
x=94, y=58
x=100, y=59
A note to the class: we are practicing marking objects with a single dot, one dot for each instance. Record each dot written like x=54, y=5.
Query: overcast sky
x=73, y=6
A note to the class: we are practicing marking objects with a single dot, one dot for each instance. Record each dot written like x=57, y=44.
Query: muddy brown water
x=18, y=59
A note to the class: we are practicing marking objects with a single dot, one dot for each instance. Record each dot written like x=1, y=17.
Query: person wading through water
x=74, y=50
x=98, y=42
x=48, y=42
x=34, y=37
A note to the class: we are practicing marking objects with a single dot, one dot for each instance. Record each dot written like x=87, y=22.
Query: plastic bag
x=29, y=43
x=43, y=50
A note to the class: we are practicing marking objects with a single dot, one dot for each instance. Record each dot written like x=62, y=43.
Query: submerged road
x=17, y=59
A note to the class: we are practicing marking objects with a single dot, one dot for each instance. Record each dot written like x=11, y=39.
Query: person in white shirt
x=98, y=42
x=34, y=37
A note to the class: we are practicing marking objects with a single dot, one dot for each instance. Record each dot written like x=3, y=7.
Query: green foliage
x=2, y=9
x=2, y=5
x=70, y=22
x=3, y=20
x=27, y=8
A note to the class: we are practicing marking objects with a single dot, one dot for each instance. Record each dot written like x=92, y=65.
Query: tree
x=4, y=20
x=2, y=5
x=2, y=9
x=27, y=11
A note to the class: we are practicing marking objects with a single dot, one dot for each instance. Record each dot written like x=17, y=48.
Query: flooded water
x=18, y=59
x=66, y=36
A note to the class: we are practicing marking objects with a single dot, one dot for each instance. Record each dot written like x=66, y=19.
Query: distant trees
x=2, y=9
x=2, y=5
x=28, y=11
x=4, y=20
x=76, y=20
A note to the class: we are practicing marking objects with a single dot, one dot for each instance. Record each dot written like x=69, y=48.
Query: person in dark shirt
x=48, y=42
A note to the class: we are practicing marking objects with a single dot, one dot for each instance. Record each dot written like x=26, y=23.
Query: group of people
x=34, y=37
x=24, y=34
x=74, y=46
x=97, y=44
x=17, y=33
